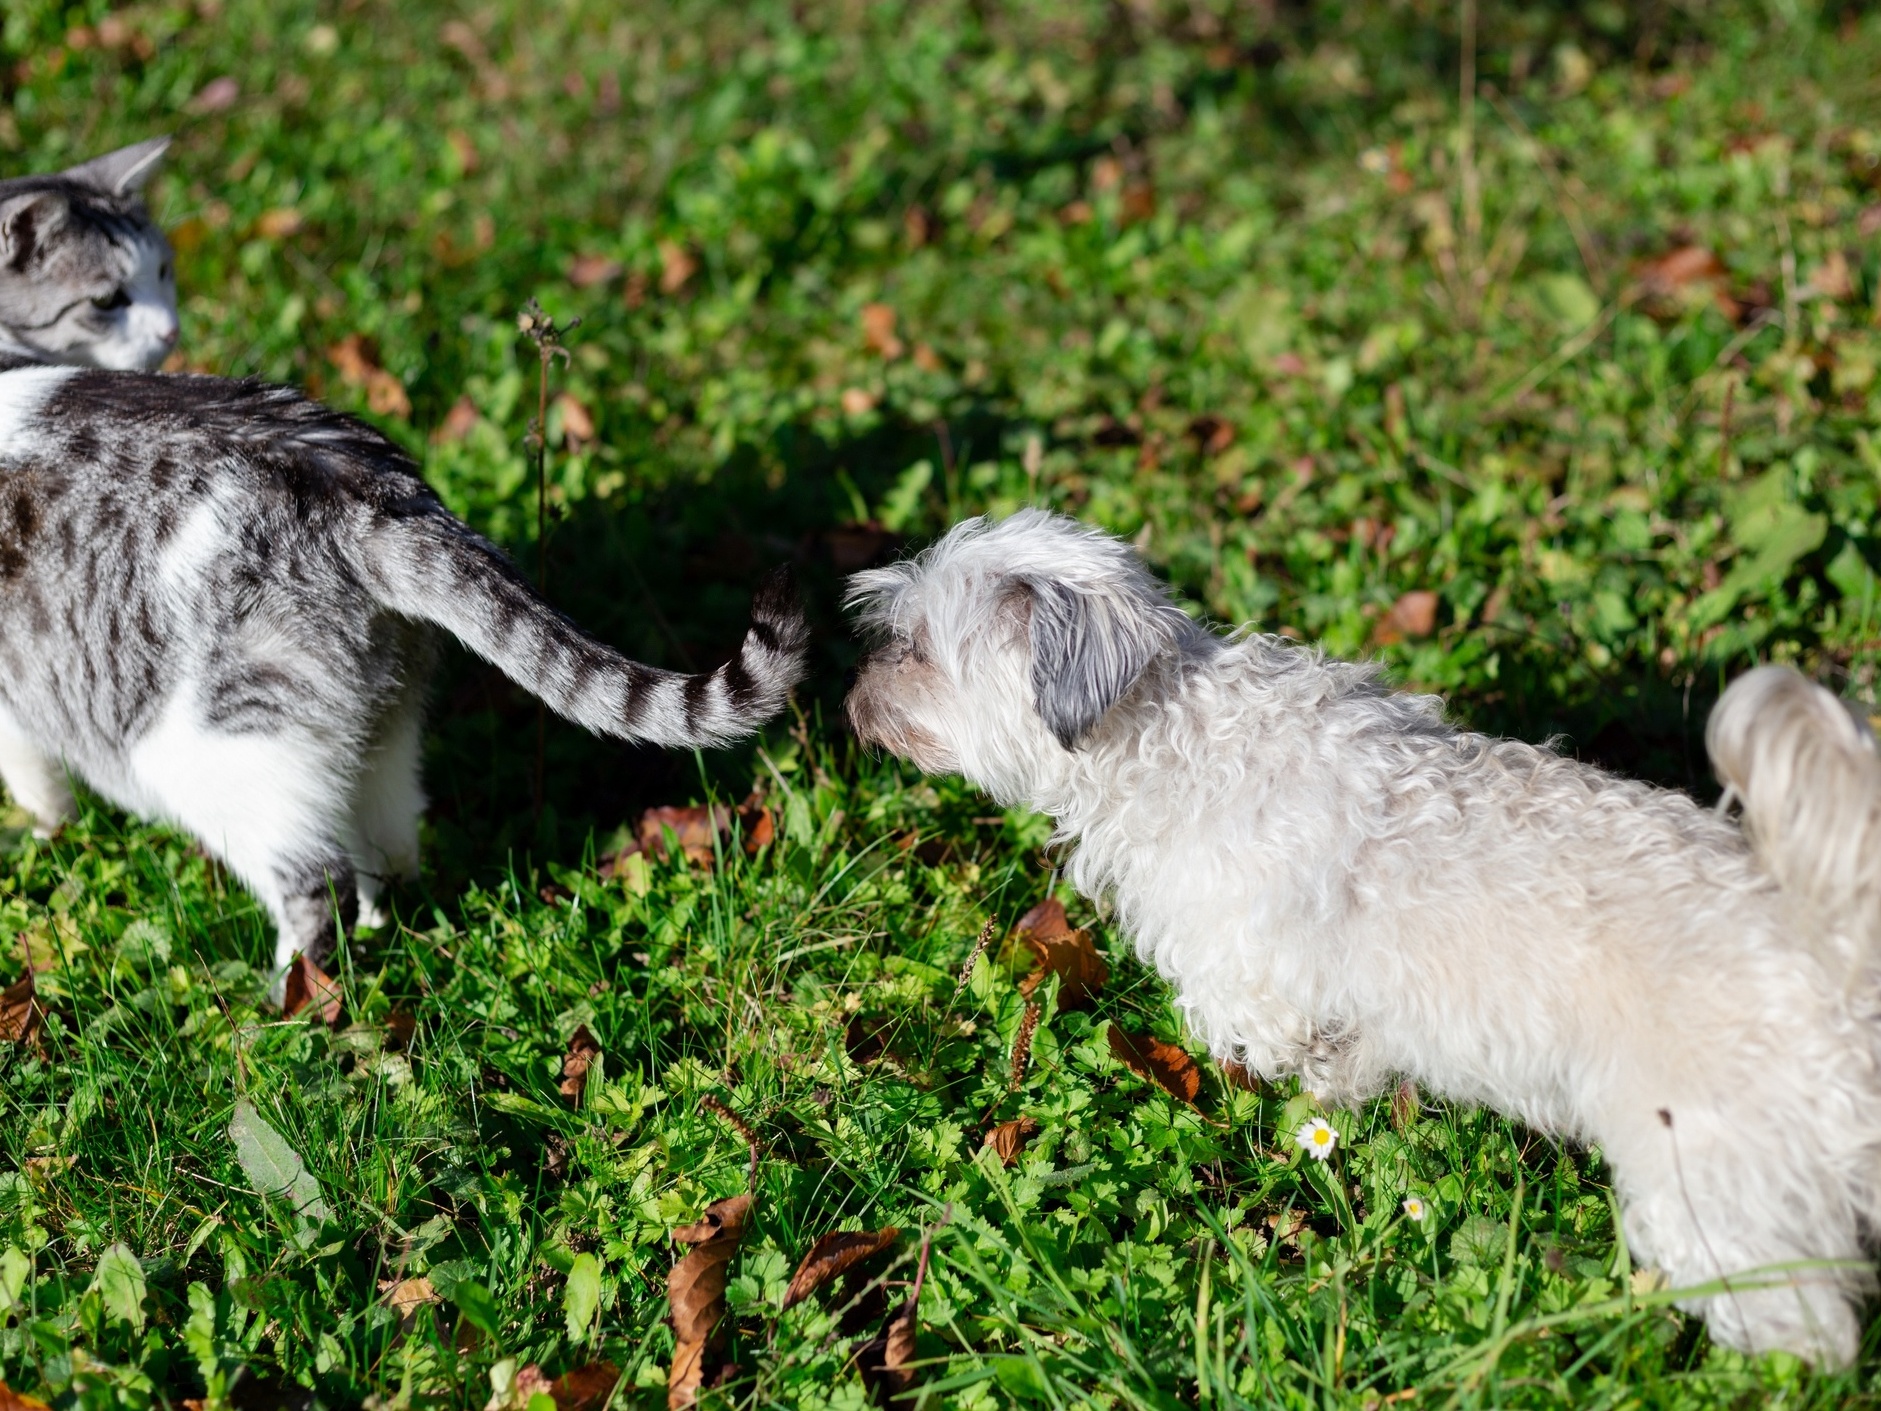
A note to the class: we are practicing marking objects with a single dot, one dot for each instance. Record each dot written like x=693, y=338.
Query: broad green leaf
x=14, y=1270
x=273, y=1167
x=119, y=1280
x=475, y=1302
x=581, y=1299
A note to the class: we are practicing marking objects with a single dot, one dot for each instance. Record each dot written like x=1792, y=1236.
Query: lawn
x=1532, y=348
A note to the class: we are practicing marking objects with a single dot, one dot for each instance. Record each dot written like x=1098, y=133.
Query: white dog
x=1343, y=886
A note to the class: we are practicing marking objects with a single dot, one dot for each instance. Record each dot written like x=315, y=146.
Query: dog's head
x=1004, y=647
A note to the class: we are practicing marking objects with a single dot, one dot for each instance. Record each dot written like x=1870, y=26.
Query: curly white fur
x=1341, y=885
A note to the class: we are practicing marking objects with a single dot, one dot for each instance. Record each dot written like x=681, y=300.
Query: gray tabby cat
x=217, y=607
x=85, y=275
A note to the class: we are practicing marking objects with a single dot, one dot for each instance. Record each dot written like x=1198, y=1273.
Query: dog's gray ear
x=1088, y=649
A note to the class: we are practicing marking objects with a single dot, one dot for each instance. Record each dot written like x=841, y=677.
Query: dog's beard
x=877, y=720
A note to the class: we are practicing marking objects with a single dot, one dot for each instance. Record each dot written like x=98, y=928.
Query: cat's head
x=85, y=275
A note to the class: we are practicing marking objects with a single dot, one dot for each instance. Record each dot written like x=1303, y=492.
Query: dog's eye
x=116, y=299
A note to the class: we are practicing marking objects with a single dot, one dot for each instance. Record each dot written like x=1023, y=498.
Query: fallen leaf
x=1008, y=1139
x=218, y=95
x=464, y=149
x=883, y=1360
x=406, y=1296
x=1169, y=1067
x=279, y=223
x=458, y=423
x=21, y=1014
x=831, y=1255
x=677, y=265
x=1412, y=615
x=357, y=362
x=577, y=421
x=309, y=985
x=695, y=1293
x=878, y=330
x=582, y=1050
x=695, y=827
x=1672, y=271
x=400, y=1028
x=1063, y=952
x=926, y=358
x=866, y=1040
x=917, y=226
x=11, y=1400
x=857, y=401
x=1239, y=1075
x=1139, y=202
x=586, y=1388
x=586, y=271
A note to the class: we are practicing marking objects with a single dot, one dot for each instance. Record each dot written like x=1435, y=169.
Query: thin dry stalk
x=1022, y=1046
x=979, y=949
x=739, y=1125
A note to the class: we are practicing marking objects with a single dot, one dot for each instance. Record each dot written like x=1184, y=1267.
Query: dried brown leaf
x=831, y=1255
x=577, y=421
x=883, y=1360
x=1412, y=615
x=458, y=423
x=357, y=362
x=582, y=1050
x=586, y=1388
x=1169, y=1067
x=695, y=827
x=310, y=987
x=1008, y=1139
x=400, y=1028
x=1063, y=952
x=279, y=223
x=1239, y=1075
x=586, y=271
x=406, y=1296
x=677, y=265
x=878, y=330
x=21, y=1014
x=695, y=1293
x=11, y=1400
x=218, y=95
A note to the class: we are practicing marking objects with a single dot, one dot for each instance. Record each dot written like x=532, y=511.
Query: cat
x=86, y=277
x=219, y=604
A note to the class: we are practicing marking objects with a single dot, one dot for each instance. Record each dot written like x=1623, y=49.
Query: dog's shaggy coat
x=1343, y=886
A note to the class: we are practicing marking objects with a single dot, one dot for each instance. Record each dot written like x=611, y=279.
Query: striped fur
x=86, y=277
x=217, y=606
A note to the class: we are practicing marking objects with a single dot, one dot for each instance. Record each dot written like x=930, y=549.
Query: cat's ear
x=26, y=222
x=123, y=172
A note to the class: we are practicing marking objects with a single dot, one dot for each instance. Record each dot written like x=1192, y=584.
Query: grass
x=1589, y=358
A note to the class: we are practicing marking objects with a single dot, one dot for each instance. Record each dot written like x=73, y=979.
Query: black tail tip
x=779, y=607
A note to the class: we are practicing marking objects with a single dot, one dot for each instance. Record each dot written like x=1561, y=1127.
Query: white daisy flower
x=1317, y=1137
x=1415, y=1208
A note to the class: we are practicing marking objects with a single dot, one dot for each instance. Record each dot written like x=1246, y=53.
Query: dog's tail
x=1805, y=770
x=424, y=563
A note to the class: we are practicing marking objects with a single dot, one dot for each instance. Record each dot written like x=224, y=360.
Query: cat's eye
x=116, y=299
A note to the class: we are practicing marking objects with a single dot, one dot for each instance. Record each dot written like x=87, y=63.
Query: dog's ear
x=1088, y=649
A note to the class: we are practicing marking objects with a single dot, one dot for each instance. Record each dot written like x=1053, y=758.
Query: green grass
x=1243, y=282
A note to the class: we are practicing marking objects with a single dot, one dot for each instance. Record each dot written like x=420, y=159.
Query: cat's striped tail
x=428, y=565
x=1804, y=768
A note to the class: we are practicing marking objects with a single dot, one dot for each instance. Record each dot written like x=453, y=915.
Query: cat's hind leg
x=37, y=783
x=273, y=805
x=388, y=805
